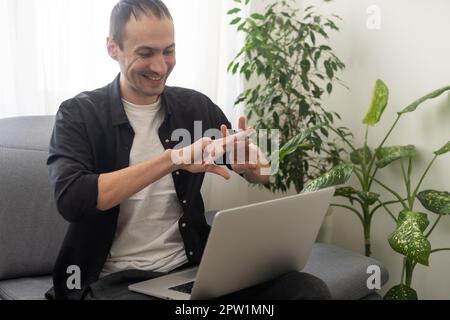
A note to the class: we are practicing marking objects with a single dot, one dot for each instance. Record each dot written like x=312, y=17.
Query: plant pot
x=325, y=232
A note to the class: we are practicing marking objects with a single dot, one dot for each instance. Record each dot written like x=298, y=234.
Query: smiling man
x=134, y=212
x=144, y=46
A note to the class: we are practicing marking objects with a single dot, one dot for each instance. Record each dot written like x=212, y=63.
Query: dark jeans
x=290, y=286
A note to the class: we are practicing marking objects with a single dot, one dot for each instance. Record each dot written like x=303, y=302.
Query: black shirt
x=92, y=136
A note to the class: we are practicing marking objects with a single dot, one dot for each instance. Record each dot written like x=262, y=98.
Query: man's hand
x=200, y=156
x=247, y=159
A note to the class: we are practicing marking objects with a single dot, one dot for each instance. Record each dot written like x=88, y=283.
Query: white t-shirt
x=148, y=236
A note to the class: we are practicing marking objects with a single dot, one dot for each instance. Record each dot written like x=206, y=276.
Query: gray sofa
x=31, y=230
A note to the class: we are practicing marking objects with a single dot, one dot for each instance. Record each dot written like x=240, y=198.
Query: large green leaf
x=401, y=292
x=388, y=155
x=443, y=150
x=336, y=176
x=421, y=218
x=435, y=201
x=364, y=153
x=408, y=239
x=298, y=142
x=369, y=197
x=378, y=105
x=349, y=192
x=345, y=192
x=413, y=106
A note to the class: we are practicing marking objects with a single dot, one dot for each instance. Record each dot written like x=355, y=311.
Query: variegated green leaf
x=443, y=150
x=345, y=192
x=378, y=105
x=413, y=106
x=369, y=197
x=388, y=155
x=421, y=218
x=275, y=161
x=409, y=241
x=298, y=142
x=401, y=292
x=336, y=176
x=357, y=156
x=435, y=201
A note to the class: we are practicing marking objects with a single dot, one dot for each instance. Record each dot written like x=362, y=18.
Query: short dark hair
x=123, y=10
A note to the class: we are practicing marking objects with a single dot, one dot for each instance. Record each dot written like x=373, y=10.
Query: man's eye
x=146, y=55
x=169, y=53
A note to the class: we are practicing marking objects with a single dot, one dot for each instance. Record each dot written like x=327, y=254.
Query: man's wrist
x=171, y=158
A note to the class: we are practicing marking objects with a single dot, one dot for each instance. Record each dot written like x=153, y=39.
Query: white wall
x=411, y=54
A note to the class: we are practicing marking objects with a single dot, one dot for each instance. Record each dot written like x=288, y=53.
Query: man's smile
x=152, y=77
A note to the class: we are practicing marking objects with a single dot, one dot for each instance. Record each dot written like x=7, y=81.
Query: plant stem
x=373, y=176
x=367, y=248
x=360, y=178
x=411, y=198
x=355, y=199
x=423, y=176
x=343, y=138
x=367, y=225
x=405, y=178
x=390, y=131
x=437, y=250
x=384, y=204
x=363, y=162
x=409, y=269
x=391, y=191
x=383, y=142
x=351, y=209
x=434, y=226
x=402, y=279
x=407, y=181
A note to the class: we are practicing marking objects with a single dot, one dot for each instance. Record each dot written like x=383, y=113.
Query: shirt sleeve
x=71, y=166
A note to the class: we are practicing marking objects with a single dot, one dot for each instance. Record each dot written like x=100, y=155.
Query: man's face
x=147, y=58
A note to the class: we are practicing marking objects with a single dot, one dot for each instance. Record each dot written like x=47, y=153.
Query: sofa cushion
x=344, y=271
x=25, y=288
x=31, y=230
x=26, y=132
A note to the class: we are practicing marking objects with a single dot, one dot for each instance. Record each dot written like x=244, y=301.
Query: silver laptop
x=248, y=246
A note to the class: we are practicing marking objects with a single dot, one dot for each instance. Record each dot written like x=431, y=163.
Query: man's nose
x=158, y=65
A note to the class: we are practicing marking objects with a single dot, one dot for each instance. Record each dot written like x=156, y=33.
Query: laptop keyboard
x=184, y=288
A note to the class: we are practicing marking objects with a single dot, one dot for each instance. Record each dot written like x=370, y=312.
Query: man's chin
x=154, y=91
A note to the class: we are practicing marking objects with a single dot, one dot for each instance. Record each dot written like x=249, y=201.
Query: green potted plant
x=411, y=236
x=413, y=229
x=366, y=162
x=285, y=55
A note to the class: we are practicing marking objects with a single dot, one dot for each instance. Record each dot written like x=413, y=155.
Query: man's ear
x=112, y=47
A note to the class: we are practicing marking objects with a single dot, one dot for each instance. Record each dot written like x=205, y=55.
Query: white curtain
x=55, y=49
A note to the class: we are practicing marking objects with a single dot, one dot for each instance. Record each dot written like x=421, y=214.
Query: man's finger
x=242, y=123
x=224, y=131
x=218, y=170
x=244, y=167
x=231, y=139
x=213, y=152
